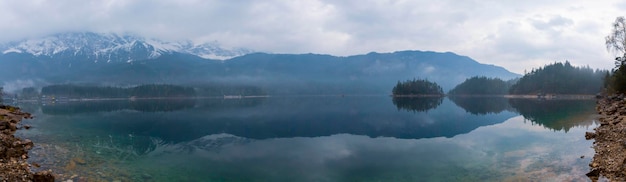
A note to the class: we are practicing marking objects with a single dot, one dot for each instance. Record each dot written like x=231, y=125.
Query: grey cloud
x=552, y=23
x=339, y=27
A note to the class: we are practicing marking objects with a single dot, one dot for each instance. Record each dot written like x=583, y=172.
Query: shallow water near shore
x=364, y=138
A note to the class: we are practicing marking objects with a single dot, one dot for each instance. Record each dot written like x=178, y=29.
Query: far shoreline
x=235, y=97
x=510, y=96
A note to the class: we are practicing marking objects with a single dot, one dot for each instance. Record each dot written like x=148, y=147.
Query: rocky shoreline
x=14, y=151
x=609, y=160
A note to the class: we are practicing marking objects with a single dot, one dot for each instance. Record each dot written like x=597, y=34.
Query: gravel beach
x=14, y=151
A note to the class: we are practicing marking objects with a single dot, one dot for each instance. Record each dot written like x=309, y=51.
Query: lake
x=314, y=138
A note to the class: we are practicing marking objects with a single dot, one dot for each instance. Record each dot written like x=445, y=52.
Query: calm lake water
x=364, y=138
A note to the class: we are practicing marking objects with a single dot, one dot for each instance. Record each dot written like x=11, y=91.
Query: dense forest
x=481, y=86
x=142, y=91
x=556, y=78
x=416, y=87
x=616, y=82
x=560, y=78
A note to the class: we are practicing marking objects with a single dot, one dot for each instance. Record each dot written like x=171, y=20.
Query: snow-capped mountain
x=101, y=47
x=113, y=59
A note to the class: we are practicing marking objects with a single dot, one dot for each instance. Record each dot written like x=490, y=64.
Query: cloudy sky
x=517, y=35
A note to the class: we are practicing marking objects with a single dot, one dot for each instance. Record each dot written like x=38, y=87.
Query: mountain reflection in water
x=262, y=118
x=356, y=138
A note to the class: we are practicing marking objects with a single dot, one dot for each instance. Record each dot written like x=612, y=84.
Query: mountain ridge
x=112, y=47
x=132, y=60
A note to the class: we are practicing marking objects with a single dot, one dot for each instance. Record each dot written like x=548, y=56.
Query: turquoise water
x=371, y=138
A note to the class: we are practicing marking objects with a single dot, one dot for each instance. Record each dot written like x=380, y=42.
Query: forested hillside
x=560, y=78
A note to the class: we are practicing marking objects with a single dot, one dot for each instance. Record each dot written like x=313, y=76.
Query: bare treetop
x=616, y=41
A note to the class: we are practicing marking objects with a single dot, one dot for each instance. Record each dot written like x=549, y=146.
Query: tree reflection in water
x=417, y=104
x=482, y=105
x=558, y=114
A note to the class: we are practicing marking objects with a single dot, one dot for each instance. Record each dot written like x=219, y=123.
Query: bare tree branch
x=616, y=41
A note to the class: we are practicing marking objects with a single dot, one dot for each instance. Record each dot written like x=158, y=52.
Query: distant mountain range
x=98, y=47
x=111, y=59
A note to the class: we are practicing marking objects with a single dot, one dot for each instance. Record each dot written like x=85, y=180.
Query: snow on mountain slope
x=113, y=47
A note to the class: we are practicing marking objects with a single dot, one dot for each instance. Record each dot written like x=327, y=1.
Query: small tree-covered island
x=416, y=88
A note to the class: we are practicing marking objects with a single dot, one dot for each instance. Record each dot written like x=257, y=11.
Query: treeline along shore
x=14, y=151
x=554, y=81
x=69, y=92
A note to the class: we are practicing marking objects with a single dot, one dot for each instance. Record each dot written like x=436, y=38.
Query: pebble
x=79, y=160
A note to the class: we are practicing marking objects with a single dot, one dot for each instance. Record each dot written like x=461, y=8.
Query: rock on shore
x=610, y=140
x=14, y=151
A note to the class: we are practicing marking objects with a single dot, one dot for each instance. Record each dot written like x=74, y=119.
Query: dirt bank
x=14, y=151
